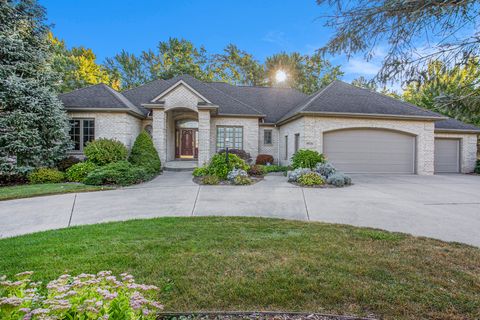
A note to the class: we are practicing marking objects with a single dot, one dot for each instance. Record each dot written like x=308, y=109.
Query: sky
x=261, y=27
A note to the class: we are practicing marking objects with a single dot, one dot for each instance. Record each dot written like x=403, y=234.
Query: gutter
x=360, y=115
x=471, y=131
x=113, y=110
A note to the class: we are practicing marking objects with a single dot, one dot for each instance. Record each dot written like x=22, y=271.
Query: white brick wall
x=204, y=134
x=250, y=133
x=290, y=129
x=271, y=149
x=159, y=133
x=468, y=149
x=182, y=97
x=113, y=125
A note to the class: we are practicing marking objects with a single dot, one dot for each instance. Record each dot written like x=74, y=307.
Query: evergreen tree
x=33, y=123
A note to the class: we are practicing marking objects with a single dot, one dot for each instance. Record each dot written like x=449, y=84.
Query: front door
x=187, y=143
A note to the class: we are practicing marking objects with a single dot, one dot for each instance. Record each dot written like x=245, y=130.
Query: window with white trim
x=81, y=132
x=286, y=147
x=231, y=137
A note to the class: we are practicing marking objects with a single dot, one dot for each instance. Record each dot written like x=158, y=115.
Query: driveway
x=445, y=207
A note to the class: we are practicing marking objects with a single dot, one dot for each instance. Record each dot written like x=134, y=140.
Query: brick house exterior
x=190, y=119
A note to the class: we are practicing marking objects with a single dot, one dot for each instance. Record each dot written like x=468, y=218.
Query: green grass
x=34, y=190
x=216, y=263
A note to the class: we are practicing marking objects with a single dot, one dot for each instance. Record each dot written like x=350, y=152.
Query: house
x=359, y=131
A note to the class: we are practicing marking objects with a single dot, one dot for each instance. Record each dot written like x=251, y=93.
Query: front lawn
x=219, y=263
x=33, y=190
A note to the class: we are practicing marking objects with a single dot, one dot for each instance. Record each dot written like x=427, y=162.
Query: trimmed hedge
x=46, y=175
x=121, y=173
x=264, y=159
x=79, y=171
x=305, y=158
x=105, y=151
x=144, y=153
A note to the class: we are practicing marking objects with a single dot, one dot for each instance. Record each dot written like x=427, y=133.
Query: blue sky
x=260, y=27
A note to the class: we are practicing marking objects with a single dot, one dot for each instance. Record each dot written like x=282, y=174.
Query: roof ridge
x=255, y=86
x=223, y=92
x=116, y=95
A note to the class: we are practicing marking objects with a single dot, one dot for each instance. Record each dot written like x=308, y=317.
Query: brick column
x=203, y=137
x=159, y=133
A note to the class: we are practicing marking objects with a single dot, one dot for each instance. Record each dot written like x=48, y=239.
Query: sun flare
x=280, y=76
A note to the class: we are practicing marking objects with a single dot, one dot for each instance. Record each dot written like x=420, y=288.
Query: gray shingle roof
x=340, y=97
x=273, y=102
x=452, y=124
x=276, y=104
x=227, y=104
x=97, y=96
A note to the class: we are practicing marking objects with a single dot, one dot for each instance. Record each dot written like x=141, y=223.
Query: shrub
x=275, y=168
x=144, y=153
x=66, y=163
x=200, y=171
x=477, y=167
x=311, y=179
x=7, y=179
x=256, y=170
x=264, y=159
x=242, y=180
x=105, y=151
x=325, y=169
x=121, y=173
x=210, y=180
x=305, y=158
x=293, y=176
x=236, y=173
x=79, y=171
x=338, y=179
x=86, y=296
x=219, y=167
x=46, y=175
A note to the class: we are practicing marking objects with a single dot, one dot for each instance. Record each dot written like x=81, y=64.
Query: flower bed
x=323, y=175
x=86, y=296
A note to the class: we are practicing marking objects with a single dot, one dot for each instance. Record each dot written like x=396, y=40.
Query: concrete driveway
x=446, y=207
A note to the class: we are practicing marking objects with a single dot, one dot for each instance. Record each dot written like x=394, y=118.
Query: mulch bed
x=256, y=316
x=255, y=179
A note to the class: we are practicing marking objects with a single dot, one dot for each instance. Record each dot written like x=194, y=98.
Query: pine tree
x=33, y=123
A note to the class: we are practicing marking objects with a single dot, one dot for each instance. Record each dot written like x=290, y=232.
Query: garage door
x=370, y=151
x=447, y=155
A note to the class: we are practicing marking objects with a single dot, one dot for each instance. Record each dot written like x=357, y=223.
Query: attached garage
x=447, y=155
x=370, y=151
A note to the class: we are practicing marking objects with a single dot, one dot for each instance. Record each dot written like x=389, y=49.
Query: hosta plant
x=236, y=173
x=82, y=297
x=339, y=179
x=294, y=175
x=325, y=169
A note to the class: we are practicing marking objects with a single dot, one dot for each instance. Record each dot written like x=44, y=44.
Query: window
x=297, y=142
x=286, y=147
x=232, y=135
x=267, y=137
x=81, y=132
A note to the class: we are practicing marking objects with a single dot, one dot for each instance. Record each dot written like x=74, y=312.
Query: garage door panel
x=447, y=155
x=370, y=151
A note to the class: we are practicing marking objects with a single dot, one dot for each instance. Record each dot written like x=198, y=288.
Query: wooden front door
x=187, y=142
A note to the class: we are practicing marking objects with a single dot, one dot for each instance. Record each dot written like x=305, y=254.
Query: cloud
x=276, y=37
x=361, y=67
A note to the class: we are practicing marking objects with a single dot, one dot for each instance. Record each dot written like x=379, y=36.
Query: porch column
x=159, y=133
x=203, y=136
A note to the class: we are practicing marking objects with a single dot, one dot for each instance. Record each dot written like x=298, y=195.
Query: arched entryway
x=186, y=139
